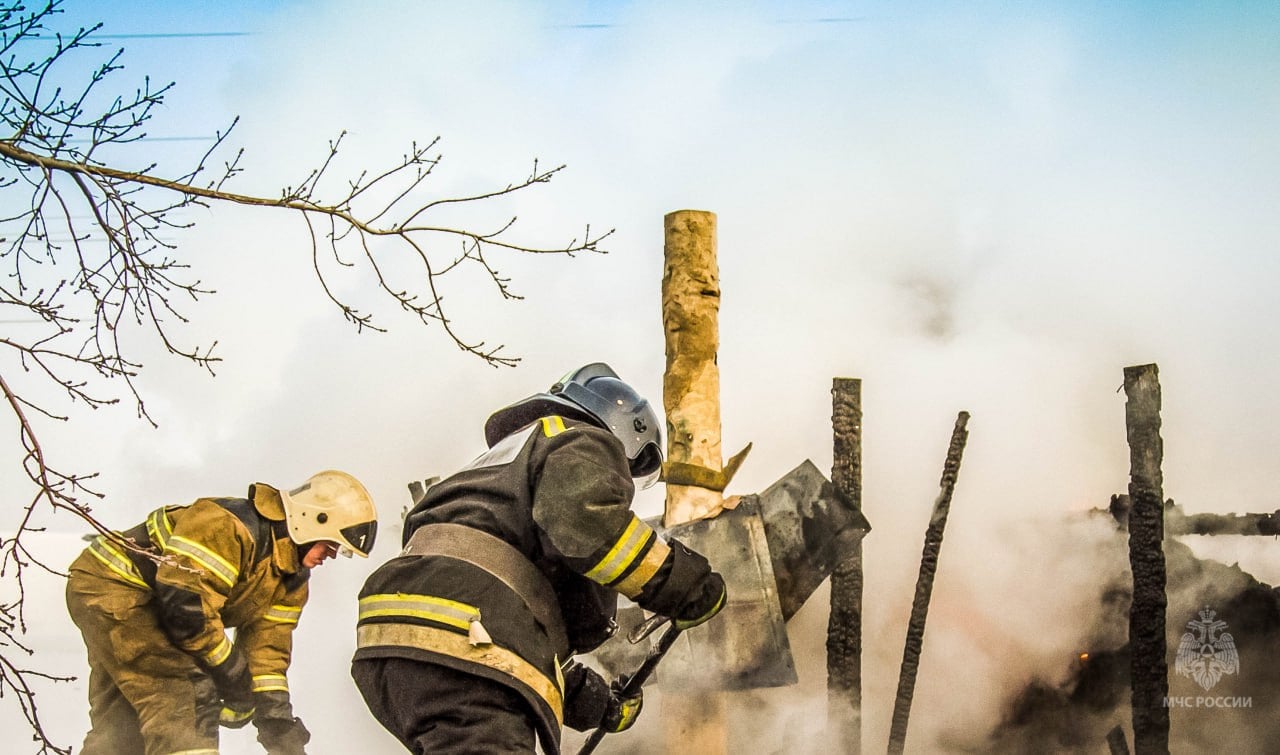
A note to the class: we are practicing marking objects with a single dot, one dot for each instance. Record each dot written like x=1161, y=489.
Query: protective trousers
x=435, y=709
x=146, y=696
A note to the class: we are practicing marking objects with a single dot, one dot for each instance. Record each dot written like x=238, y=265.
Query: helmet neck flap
x=593, y=393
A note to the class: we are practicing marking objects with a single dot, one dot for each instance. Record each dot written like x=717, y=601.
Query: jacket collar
x=268, y=502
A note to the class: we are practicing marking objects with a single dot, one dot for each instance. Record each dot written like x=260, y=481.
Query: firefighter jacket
x=230, y=564
x=513, y=564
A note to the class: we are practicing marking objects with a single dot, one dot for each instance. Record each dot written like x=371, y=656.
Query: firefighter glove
x=283, y=736
x=234, y=718
x=586, y=697
x=234, y=683
x=623, y=709
x=705, y=600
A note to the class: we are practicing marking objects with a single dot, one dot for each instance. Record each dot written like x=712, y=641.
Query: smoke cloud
x=976, y=209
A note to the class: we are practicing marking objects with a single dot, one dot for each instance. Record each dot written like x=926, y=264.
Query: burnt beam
x=1178, y=522
x=1148, y=666
x=924, y=588
x=844, y=625
x=1116, y=742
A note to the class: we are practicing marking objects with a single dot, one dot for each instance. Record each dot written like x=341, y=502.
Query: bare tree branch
x=86, y=265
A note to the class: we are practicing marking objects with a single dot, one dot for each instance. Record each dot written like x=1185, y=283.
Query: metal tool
x=645, y=628
x=636, y=681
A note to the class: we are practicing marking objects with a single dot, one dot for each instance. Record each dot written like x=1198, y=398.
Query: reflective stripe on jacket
x=228, y=564
x=559, y=491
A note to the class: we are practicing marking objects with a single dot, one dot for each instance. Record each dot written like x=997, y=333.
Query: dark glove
x=689, y=592
x=283, y=736
x=235, y=687
x=208, y=705
x=234, y=718
x=621, y=712
x=586, y=697
x=279, y=731
x=706, y=599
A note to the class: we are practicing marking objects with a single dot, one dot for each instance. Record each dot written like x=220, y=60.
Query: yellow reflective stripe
x=283, y=614
x=457, y=646
x=623, y=552
x=634, y=583
x=219, y=654
x=270, y=683
x=552, y=426
x=221, y=568
x=230, y=716
x=159, y=528
x=113, y=559
x=443, y=610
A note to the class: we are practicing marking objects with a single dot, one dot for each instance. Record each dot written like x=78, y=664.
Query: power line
x=828, y=20
x=170, y=35
x=148, y=139
x=153, y=35
x=589, y=26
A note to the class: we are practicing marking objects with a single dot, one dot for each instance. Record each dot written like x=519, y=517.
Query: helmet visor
x=647, y=481
x=360, y=537
x=647, y=466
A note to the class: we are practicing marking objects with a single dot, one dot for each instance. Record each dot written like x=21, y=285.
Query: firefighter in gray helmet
x=512, y=565
x=163, y=671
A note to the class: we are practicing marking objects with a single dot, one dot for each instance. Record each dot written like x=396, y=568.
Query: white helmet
x=332, y=506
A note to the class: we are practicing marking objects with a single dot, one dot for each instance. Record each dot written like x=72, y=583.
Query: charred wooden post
x=691, y=396
x=924, y=587
x=1149, y=665
x=1116, y=742
x=844, y=626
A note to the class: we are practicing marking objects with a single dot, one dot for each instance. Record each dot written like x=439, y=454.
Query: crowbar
x=633, y=683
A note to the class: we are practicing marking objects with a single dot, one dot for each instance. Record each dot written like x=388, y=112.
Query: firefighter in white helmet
x=163, y=672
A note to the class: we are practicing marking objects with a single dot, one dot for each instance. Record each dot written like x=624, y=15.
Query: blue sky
x=993, y=207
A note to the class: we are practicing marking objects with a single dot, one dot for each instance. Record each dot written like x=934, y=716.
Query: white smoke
x=968, y=209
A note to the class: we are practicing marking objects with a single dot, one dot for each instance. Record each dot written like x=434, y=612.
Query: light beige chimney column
x=691, y=383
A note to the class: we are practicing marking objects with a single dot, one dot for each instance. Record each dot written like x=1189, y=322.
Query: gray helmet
x=596, y=394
